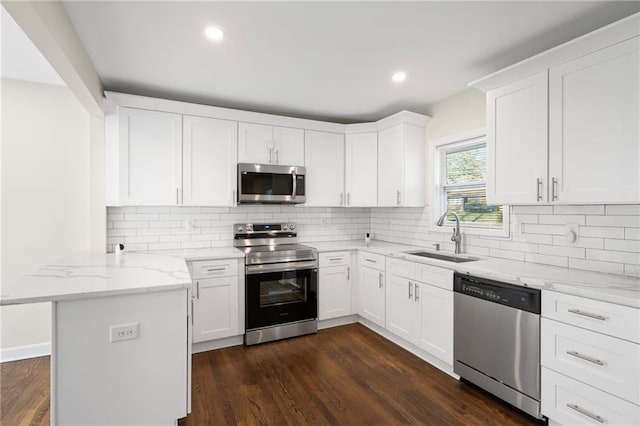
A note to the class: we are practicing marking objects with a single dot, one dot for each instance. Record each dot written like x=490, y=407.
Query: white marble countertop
x=189, y=255
x=83, y=276
x=593, y=285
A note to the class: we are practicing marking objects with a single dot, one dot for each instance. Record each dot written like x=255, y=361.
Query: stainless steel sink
x=440, y=256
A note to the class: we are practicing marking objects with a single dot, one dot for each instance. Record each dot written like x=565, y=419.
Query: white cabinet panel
x=324, y=161
x=334, y=293
x=209, y=161
x=401, y=166
x=372, y=295
x=401, y=309
x=150, y=157
x=435, y=330
x=361, y=171
x=264, y=144
x=215, y=309
x=288, y=146
x=569, y=402
x=517, y=142
x=334, y=258
x=372, y=260
x=594, y=127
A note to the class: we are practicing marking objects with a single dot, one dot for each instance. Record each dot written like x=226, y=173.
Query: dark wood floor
x=345, y=375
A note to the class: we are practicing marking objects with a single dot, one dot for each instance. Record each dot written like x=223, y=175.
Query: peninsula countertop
x=82, y=276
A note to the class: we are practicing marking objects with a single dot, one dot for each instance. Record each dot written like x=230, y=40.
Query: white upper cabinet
x=149, y=157
x=361, y=171
x=401, y=166
x=594, y=137
x=564, y=125
x=264, y=144
x=324, y=161
x=517, y=142
x=210, y=149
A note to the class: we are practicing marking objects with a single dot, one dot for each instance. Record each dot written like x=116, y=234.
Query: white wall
x=459, y=113
x=45, y=196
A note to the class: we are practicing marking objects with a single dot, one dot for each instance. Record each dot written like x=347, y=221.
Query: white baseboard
x=335, y=322
x=211, y=345
x=25, y=352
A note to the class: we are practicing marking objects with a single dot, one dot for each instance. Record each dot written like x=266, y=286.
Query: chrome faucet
x=456, y=237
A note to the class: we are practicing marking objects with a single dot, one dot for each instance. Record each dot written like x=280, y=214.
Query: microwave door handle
x=295, y=185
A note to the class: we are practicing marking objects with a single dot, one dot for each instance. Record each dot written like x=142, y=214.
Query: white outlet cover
x=118, y=333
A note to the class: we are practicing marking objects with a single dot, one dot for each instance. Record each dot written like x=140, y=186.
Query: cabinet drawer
x=570, y=402
x=214, y=268
x=401, y=268
x=603, y=317
x=439, y=277
x=607, y=363
x=372, y=260
x=335, y=258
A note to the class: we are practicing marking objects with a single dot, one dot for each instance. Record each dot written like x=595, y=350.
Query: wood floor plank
x=345, y=375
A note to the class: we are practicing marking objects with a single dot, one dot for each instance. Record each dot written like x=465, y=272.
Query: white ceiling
x=19, y=57
x=325, y=60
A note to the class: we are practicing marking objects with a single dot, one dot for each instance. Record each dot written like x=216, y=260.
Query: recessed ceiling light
x=214, y=33
x=399, y=76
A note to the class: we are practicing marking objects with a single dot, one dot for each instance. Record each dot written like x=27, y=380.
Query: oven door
x=280, y=293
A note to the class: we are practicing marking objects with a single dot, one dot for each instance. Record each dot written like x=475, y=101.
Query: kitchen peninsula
x=116, y=324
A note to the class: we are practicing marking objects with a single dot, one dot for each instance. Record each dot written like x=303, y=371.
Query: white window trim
x=471, y=137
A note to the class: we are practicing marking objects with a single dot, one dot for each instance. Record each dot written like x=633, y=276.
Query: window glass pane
x=471, y=205
x=467, y=165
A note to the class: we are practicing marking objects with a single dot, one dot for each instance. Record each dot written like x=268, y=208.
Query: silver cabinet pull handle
x=539, y=189
x=410, y=293
x=335, y=258
x=191, y=312
x=233, y=197
x=348, y=273
x=348, y=198
x=270, y=149
x=177, y=199
x=398, y=198
x=370, y=260
x=585, y=357
x=216, y=269
x=554, y=189
x=342, y=198
x=587, y=314
x=380, y=280
x=416, y=290
x=277, y=150
x=585, y=413
x=197, y=289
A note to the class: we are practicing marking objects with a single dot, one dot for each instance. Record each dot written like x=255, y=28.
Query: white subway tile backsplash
x=619, y=221
x=586, y=209
x=608, y=236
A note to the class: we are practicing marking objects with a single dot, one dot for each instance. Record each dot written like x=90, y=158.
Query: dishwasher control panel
x=525, y=298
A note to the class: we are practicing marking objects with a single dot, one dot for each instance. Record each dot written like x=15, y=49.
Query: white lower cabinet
x=217, y=301
x=334, y=285
x=589, y=374
x=421, y=312
x=372, y=288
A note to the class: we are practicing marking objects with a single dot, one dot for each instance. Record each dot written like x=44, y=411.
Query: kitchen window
x=460, y=165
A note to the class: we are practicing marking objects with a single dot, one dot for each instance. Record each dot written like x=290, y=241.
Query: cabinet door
x=435, y=331
x=289, y=146
x=210, y=149
x=361, y=171
x=390, y=167
x=401, y=312
x=372, y=304
x=334, y=292
x=255, y=143
x=215, y=309
x=517, y=142
x=594, y=126
x=412, y=192
x=150, y=157
x=324, y=161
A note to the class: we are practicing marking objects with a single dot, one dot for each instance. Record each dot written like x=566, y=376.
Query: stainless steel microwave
x=270, y=184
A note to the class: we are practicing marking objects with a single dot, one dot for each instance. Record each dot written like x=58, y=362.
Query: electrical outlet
x=124, y=332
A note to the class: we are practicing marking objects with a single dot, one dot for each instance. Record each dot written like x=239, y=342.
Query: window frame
x=436, y=151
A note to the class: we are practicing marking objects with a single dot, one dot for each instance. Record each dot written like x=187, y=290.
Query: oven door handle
x=280, y=267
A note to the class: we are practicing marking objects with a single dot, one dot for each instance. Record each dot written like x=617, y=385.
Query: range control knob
x=240, y=228
x=284, y=227
x=292, y=227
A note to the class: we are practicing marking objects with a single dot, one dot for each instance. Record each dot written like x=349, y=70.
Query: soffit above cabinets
x=331, y=61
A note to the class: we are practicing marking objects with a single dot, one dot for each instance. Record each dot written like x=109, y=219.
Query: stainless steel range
x=281, y=282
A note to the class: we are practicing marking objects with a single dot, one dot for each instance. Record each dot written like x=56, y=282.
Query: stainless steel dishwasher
x=497, y=339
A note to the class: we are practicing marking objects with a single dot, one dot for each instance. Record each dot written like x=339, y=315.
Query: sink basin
x=441, y=256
